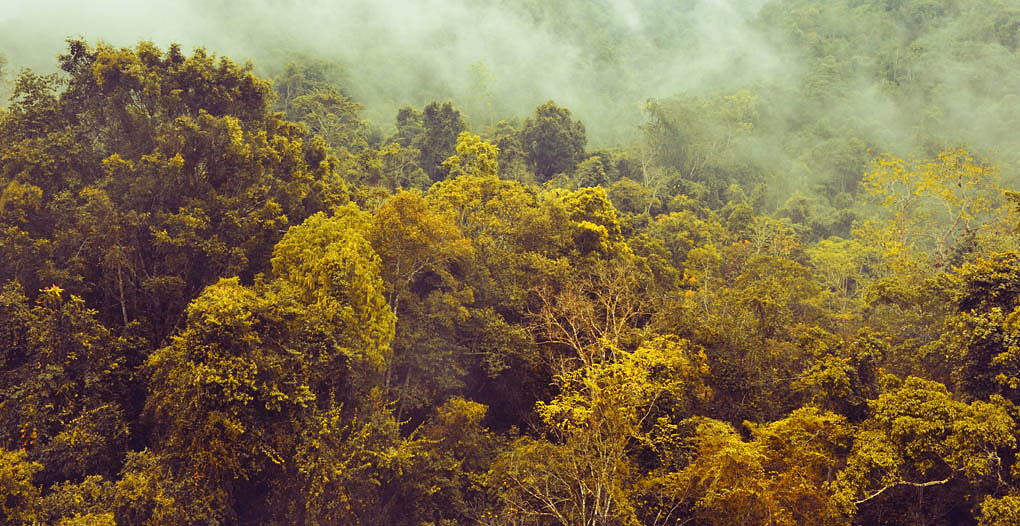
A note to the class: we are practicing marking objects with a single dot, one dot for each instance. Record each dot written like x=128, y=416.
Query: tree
x=933, y=205
x=630, y=197
x=843, y=374
x=441, y=125
x=594, y=223
x=257, y=369
x=330, y=265
x=999, y=511
x=504, y=222
x=979, y=345
x=421, y=250
x=87, y=502
x=474, y=157
x=779, y=477
x=458, y=451
x=227, y=396
x=591, y=172
x=159, y=174
x=333, y=117
x=918, y=438
x=593, y=314
x=484, y=207
x=603, y=412
x=482, y=105
x=348, y=467
x=552, y=142
x=410, y=128
x=699, y=137
x=374, y=173
x=302, y=76
x=840, y=263
x=747, y=317
x=150, y=492
x=19, y=497
x=66, y=378
x=513, y=162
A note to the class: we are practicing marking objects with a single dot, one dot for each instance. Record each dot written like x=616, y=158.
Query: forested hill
x=773, y=280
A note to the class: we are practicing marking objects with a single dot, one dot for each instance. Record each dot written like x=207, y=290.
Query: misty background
x=516, y=54
x=821, y=84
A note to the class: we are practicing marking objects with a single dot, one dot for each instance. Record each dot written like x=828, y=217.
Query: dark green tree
x=441, y=125
x=552, y=141
x=65, y=381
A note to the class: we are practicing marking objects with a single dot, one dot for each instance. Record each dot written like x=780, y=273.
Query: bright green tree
x=159, y=174
x=19, y=496
x=919, y=437
x=604, y=411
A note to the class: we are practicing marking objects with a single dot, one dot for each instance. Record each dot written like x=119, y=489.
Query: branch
x=905, y=483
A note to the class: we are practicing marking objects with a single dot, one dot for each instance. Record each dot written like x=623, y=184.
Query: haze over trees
x=782, y=289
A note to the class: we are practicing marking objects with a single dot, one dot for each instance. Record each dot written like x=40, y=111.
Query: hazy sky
x=397, y=51
x=604, y=59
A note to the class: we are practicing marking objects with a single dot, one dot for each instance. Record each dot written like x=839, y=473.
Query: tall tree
x=441, y=125
x=920, y=441
x=552, y=140
x=159, y=174
x=258, y=371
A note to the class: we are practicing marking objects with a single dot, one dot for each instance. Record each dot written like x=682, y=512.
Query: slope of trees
x=228, y=301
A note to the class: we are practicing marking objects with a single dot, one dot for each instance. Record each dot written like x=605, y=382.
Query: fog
x=909, y=81
x=396, y=52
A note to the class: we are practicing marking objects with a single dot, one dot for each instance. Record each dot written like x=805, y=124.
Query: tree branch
x=905, y=483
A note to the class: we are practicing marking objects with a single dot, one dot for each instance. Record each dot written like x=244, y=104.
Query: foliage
x=552, y=141
x=779, y=477
x=227, y=301
x=441, y=124
x=19, y=497
x=918, y=436
x=160, y=173
x=933, y=204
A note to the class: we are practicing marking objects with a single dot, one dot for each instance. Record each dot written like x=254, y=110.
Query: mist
x=890, y=80
x=397, y=53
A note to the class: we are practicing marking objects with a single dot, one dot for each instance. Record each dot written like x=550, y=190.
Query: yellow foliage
x=929, y=205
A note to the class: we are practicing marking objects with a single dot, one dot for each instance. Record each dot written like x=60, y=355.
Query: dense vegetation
x=228, y=299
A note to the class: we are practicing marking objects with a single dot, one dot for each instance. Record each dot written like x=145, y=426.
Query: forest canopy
x=782, y=291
